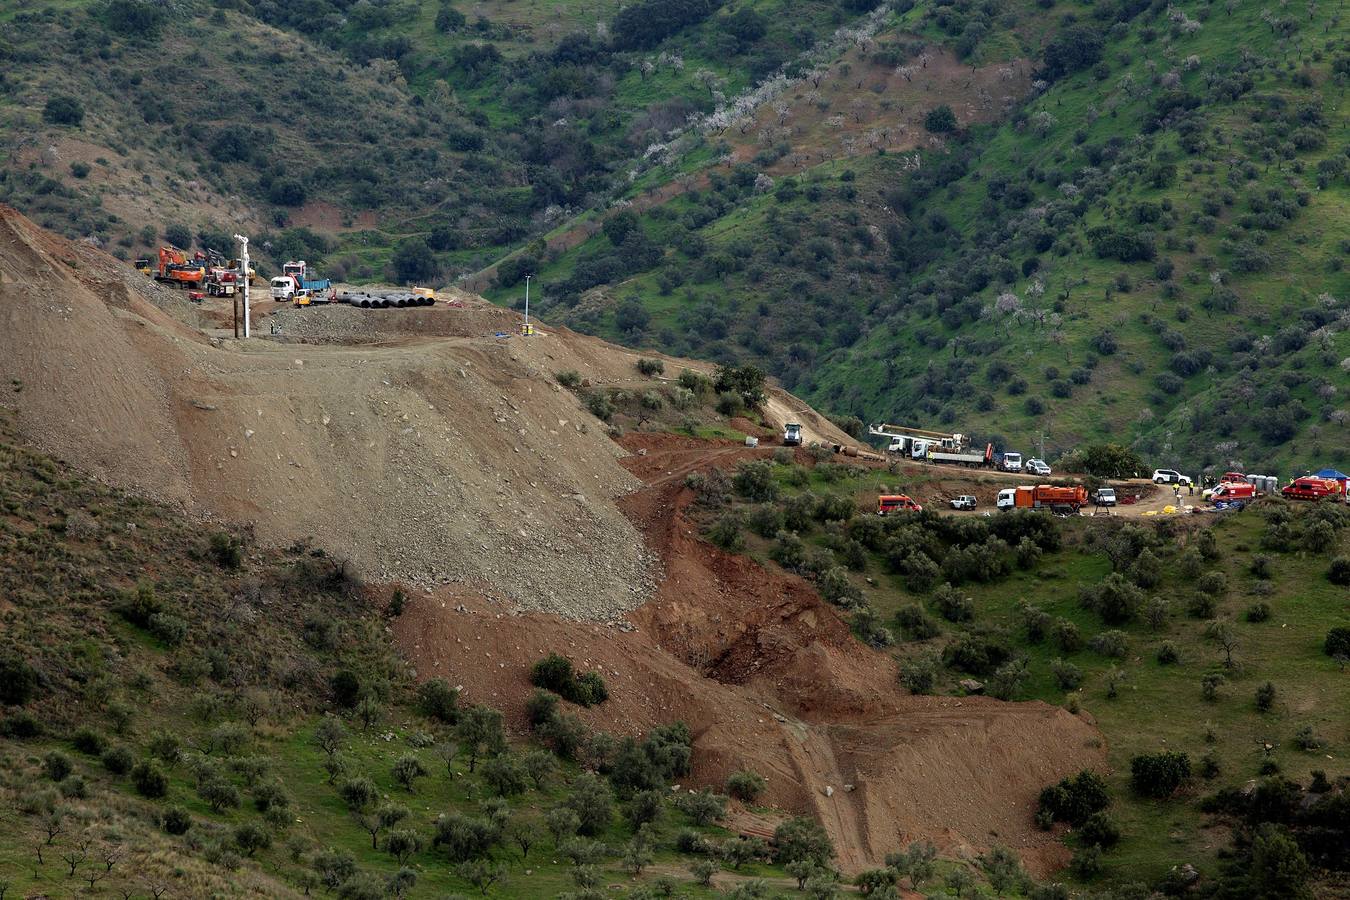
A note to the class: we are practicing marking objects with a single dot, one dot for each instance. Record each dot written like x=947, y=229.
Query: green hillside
x=1220, y=640
x=1158, y=231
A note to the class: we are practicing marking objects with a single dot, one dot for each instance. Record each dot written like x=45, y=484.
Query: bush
x=18, y=680
x=754, y=481
x=1111, y=643
x=745, y=786
x=1159, y=775
x=919, y=675
x=62, y=109
x=149, y=779
x=1067, y=675
x=979, y=653
x=940, y=120
x=1339, y=573
x=1113, y=598
x=176, y=820
x=600, y=406
x=1212, y=583
x=916, y=624
x=802, y=840
x=87, y=740
x=1099, y=830
x=568, y=378
x=702, y=807
x=56, y=765
x=1258, y=612
x=1075, y=799
x=726, y=533
x=1337, y=642
x=169, y=628
x=651, y=367
x=118, y=760
x=1265, y=697
x=1168, y=655
x=1066, y=636
x=21, y=725
x=953, y=605
x=436, y=699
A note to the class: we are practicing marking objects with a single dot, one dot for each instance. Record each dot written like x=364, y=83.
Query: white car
x=1038, y=466
x=1170, y=476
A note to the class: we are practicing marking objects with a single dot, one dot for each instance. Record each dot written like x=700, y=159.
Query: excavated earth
x=449, y=459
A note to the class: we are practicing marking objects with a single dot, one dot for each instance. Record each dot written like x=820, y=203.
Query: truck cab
x=1104, y=496
x=1011, y=462
x=894, y=503
x=792, y=434
x=283, y=288
x=1007, y=499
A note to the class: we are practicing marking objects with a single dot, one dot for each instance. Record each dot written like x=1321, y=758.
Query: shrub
x=745, y=786
x=1066, y=636
x=149, y=779
x=916, y=624
x=1067, y=675
x=1265, y=697
x=169, y=628
x=1210, y=684
x=1339, y=573
x=118, y=760
x=1111, y=643
x=802, y=840
x=18, y=680
x=980, y=653
x=940, y=120
x=726, y=533
x=436, y=699
x=600, y=406
x=1100, y=830
x=1337, y=642
x=1168, y=655
x=1258, y=612
x=176, y=820
x=919, y=675
x=62, y=109
x=87, y=740
x=593, y=804
x=1212, y=583
x=953, y=605
x=651, y=367
x=568, y=378
x=1075, y=799
x=702, y=807
x=1113, y=598
x=1202, y=606
x=250, y=837
x=1159, y=775
x=754, y=481
x=56, y=765
x=21, y=725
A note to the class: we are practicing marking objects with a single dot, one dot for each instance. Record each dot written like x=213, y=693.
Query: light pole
x=243, y=274
x=526, y=329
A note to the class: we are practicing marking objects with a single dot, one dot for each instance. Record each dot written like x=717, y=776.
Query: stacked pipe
x=384, y=299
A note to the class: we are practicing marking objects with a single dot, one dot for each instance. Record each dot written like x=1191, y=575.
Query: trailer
x=902, y=439
x=972, y=460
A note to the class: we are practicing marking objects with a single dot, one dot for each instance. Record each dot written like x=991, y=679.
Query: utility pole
x=526, y=328
x=244, y=269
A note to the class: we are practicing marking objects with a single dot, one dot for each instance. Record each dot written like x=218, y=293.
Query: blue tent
x=1332, y=473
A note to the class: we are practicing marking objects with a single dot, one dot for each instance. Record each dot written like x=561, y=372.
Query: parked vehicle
x=294, y=278
x=1045, y=496
x=1011, y=462
x=1104, y=496
x=792, y=434
x=893, y=503
x=1233, y=490
x=1038, y=467
x=175, y=268
x=934, y=453
x=1170, y=476
x=1310, y=487
x=965, y=501
x=903, y=438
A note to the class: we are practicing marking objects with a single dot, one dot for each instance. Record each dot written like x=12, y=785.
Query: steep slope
x=1136, y=251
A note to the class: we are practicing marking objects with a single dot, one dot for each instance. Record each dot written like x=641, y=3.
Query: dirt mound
x=768, y=678
x=453, y=459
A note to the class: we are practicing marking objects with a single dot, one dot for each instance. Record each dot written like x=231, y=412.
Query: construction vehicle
x=934, y=454
x=176, y=268
x=893, y=503
x=236, y=267
x=294, y=278
x=221, y=283
x=145, y=266
x=902, y=438
x=1010, y=462
x=1045, y=496
x=792, y=434
x=1311, y=487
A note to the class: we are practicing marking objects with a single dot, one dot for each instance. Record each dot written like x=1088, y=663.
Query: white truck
x=792, y=434
x=1011, y=462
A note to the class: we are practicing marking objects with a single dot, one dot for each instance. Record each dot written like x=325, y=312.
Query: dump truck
x=792, y=434
x=1045, y=496
x=295, y=277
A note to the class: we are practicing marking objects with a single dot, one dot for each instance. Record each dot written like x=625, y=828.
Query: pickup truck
x=965, y=501
x=1104, y=496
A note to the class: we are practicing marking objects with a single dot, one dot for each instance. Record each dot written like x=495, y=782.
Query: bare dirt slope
x=769, y=678
x=424, y=460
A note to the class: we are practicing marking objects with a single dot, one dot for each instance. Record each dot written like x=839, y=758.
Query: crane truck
x=903, y=439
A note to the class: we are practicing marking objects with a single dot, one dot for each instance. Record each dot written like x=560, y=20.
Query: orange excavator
x=176, y=268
